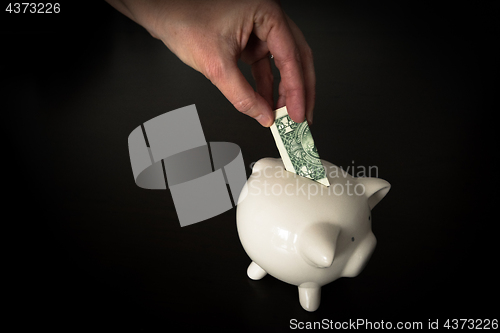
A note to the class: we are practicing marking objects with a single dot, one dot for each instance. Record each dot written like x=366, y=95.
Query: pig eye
x=352, y=239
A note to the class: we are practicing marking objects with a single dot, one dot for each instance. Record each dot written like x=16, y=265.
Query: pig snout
x=317, y=243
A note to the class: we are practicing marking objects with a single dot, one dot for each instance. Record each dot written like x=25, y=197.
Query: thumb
x=227, y=77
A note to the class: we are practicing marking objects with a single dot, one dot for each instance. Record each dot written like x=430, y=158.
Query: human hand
x=210, y=36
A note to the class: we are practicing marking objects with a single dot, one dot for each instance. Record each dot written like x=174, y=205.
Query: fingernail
x=310, y=120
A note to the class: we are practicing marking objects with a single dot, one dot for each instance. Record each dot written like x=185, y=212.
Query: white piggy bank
x=303, y=232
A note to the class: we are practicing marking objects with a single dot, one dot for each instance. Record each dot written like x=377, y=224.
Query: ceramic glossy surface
x=305, y=233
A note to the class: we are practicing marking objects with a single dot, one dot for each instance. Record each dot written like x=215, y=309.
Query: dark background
x=406, y=88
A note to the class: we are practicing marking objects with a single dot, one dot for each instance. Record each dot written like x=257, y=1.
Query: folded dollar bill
x=296, y=146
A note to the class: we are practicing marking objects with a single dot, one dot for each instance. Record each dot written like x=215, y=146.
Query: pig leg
x=310, y=296
x=255, y=272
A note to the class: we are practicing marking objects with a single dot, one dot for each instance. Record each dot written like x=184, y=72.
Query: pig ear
x=375, y=189
x=267, y=162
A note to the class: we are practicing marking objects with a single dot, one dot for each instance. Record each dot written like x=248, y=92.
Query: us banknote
x=296, y=146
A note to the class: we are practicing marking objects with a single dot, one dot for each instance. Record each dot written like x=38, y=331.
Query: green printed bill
x=296, y=146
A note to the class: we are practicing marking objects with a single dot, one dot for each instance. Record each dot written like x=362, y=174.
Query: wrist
x=146, y=13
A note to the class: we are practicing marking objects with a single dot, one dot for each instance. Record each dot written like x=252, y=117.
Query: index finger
x=271, y=26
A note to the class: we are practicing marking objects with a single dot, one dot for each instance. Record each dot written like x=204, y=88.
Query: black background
x=405, y=88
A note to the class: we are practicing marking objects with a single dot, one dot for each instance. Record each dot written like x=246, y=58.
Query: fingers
x=271, y=26
x=272, y=32
x=231, y=82
x=281, y=97
x=263, y=75
x=310, y=82
x=307, y=69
